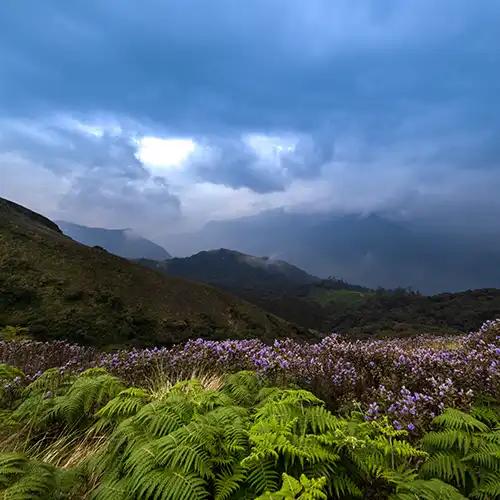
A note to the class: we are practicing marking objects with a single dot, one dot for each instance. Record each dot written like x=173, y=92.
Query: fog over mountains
x=123, y=242
x=368, y=250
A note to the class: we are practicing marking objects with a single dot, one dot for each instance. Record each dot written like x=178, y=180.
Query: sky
x=161, y=115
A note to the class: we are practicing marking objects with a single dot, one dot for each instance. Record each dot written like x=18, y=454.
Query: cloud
x=164, y=153
x=86, y=173
x=160, y=115
x=259, y=162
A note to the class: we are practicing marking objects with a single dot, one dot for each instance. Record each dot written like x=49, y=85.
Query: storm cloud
x=322, y=106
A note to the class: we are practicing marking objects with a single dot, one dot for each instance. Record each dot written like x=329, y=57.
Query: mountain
x=236, y=271
x=370, y=250
x=122, y=242
x=58, y=288
x=334, y=305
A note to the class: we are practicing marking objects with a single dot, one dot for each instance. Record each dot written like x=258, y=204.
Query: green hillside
x=58, y=288
x=332, y=304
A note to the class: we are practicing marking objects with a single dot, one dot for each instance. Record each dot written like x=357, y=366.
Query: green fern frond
x=341, y=486
x=457, y=419
x=303, y=488
x=12, y=465
x=486, y=456
x=161, y=417
x=126, y=404
x=448, y=439
x=22, y=479
x=490, y=415
x=112, y=488
x=243, y=387
x=430, y=489
x=89, y=392
x=445, y=466
x=263, y=476
x=8, y=372
x=169, y=485
x=488, y=488
x=185, y=456
x=51, y=380
x=229, y=481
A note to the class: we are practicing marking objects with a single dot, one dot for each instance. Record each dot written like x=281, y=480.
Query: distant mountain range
x=371, y=250
x=58, y=288
x=123, y=242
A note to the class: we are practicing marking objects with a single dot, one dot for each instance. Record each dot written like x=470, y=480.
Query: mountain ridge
x=59, y=288
x=231, y=269
x=122, y=242
x=371, y=250
x=332, y=304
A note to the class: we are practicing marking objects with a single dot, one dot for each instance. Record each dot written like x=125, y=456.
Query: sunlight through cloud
x=160, y=154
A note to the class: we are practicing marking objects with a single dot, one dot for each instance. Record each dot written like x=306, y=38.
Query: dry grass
x=162, y=381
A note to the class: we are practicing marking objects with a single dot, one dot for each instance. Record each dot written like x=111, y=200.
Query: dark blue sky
x=162, y=115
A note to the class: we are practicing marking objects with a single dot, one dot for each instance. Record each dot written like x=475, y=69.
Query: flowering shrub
x=410, y=380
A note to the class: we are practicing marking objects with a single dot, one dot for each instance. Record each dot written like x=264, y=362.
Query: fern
x=9, y=388
x=243, y=387
x=127, y=403
x=52, y=380
x=456, y=419
x=24, y=479
x=465, y=452
x=303, y=488
x=86, y=395
x=228, y=481
x=409, y=487
x=8, y=372
x=243, y=440
x=263, y=476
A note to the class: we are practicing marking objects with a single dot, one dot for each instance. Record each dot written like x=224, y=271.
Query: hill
x=371, y=250
x=236, y=271
x=359, y=311
x=122, y=242
x=333, y=304
x=59, y=288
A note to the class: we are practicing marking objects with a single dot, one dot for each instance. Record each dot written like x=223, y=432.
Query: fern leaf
x=263, y=476
x=457, y=419
x=229, y=482
x=445, y=466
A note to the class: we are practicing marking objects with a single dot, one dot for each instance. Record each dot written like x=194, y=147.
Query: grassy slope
x=61, y=289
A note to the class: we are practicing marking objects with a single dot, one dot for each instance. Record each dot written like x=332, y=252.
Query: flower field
x=396, y=419
x=409, y=380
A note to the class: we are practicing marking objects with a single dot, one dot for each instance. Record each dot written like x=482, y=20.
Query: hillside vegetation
x=332, y=304
x=58, y=288
x=382, y=312
x=398, y=419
